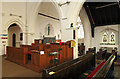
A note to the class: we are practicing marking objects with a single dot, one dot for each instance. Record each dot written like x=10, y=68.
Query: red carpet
x=96, y=69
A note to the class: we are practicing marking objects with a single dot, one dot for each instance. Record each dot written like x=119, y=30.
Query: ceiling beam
x=48, y=16
x=106, y=5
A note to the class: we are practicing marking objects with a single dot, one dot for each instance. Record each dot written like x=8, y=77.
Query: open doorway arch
x=80, y=31
x=47, y=14
x=14, y=35
x=81, y=47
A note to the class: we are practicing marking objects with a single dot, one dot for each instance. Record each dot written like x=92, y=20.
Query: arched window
x=80, y=30
x=21, y=36
x=105, y=37
x=49, y=31
x=112, y=37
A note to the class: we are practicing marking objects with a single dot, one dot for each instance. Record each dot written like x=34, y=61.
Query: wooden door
x=14, y=40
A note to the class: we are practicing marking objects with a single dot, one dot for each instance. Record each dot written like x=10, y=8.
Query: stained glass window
x=105, y=37
x=112, y=37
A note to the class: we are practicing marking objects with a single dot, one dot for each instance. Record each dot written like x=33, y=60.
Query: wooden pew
x=102, y=72
x=39, y=62
x=91, y=50
x=115, y=53
x=71, y=68
x=81, y=50
x=100, y=54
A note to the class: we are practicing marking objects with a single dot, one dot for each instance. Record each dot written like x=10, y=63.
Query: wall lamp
x=60, y=4
x=15, y=15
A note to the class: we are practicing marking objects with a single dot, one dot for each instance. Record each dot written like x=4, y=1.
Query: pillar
x=118, y=39
x=0, y=39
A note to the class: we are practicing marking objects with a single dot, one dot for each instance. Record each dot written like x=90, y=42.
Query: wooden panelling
x=38, y=62
x=15, y=54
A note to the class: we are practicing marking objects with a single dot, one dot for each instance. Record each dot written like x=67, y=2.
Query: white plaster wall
x=0, y=40
x=42, y=22
x=0, y=29
x=14, y=30
x=99, y=32
x=16, y=8
x=81, y=40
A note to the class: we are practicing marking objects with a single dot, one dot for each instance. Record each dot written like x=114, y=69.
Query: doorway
x=14, y=40
x=15, y=36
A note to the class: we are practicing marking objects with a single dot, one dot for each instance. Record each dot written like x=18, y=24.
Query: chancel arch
x=15, y=37
x=47, y=21
x=81, y=47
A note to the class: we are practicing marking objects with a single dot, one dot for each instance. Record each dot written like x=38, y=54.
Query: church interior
x=60, y=39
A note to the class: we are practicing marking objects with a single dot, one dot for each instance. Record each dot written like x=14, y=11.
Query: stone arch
x=55, y=5
x=42, y=21
x=86, y=27
x=14, y=27
x=14, y=21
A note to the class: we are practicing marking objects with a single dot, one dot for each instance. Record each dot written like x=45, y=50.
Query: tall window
x=112, y=37
x=49, y=30
x=105, y=37
x=80, y=30
x=21, y=36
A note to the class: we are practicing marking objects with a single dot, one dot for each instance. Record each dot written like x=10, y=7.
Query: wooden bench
x=102, y=70
x=71, y=68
